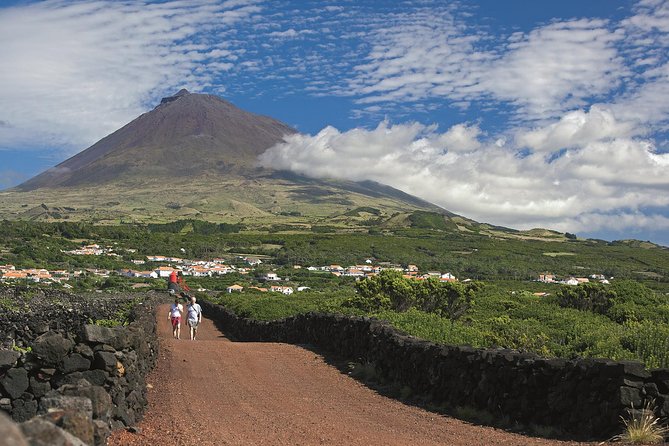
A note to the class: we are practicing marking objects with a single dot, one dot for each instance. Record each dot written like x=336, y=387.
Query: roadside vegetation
x=502, y=305
x=486, y=316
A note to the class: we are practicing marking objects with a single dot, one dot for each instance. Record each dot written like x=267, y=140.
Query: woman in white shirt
x=175, y=317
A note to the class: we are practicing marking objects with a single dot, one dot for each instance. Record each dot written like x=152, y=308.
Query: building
x=164, y=272
x=281, y=289
x=272, y=277
x=234, y=289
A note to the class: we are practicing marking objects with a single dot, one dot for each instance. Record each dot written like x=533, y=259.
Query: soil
x=213, y=391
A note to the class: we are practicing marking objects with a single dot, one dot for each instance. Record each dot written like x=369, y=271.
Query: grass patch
x=642, y=426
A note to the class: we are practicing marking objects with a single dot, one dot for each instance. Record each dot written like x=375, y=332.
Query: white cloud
x=595, y=182
x=416, y=56
x=291, y=33
x=556, y=68
x=75, y=71
x=429, y=55
x=575, y=129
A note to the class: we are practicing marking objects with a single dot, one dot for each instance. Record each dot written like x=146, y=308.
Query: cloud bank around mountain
x=597, y=178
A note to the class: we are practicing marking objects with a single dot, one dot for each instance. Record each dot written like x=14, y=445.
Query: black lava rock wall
x=86, y=379
x=583, y=398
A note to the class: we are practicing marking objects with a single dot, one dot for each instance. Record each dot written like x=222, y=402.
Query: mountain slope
x=194, y=155
x=187, y=134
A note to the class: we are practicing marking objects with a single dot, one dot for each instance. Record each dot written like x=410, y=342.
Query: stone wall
x=87, y=379
x=26, y=313
x=582, y=398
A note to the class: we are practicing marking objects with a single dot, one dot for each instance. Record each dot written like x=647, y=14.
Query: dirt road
x=216, y=392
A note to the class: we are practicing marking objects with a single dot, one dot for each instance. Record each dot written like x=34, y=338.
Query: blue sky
x=517, y=113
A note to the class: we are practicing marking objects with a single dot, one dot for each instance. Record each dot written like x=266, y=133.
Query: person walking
x=172, y=285
x=175, y=317
x=194, y=317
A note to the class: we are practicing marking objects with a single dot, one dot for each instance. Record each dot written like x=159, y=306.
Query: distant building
x=549, y=278
x=282, y=289
x=271, y=277
x=448, y=277
x=234, y=289
x=164, y=272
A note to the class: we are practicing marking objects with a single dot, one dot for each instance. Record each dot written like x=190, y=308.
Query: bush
x=587, y=296
x=390, y=290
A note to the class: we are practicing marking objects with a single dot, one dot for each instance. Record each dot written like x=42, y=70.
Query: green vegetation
x=389, y=290
x=121, y=317
x=430, y=220
x=273, y=306
x=628, y=319
x=496, y=317
x=465, y=254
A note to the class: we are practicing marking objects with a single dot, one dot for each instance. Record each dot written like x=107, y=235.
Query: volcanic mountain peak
x=180, y=93
x=185, y=135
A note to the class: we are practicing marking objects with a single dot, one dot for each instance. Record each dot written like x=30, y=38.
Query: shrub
x=587, y=296
x=390, y=290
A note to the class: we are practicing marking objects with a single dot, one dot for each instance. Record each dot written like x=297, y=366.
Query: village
x=159, y=267
x=162, y=266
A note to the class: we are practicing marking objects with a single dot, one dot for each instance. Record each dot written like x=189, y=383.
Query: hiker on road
x=175, y=317
x=194, y=317
x=172, y=285
x=176, y=283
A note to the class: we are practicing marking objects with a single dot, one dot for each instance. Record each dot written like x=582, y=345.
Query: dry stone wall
x=86, y=379
x=582, y=398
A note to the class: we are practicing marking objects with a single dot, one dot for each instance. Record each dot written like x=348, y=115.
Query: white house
x=448, y=277
x=234, y=289
x=253, y=261
x=281, y=289
x=271, y=277
x=164, y=271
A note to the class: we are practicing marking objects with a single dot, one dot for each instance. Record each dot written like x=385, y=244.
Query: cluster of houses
x=552, y=278
x=208, y=268
x=287, y=290
x=94, y=250
x=369, y=269
x=9, y=273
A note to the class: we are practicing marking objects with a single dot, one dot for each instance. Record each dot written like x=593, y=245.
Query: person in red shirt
x=172, y=283
x=176, y=283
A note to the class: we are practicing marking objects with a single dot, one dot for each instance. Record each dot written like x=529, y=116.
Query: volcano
x=195, y=156
x=186, y=135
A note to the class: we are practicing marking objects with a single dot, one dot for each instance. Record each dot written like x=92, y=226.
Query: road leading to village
x=217, y=392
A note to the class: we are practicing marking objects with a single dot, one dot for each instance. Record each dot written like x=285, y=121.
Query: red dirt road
x=216, y=392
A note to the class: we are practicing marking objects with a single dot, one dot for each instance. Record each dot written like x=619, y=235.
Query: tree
x=453, y=299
